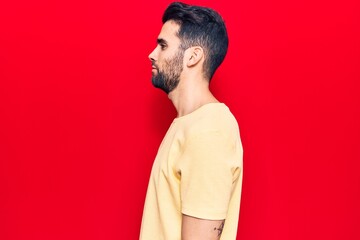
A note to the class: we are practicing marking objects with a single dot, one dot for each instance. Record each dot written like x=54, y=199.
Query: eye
x=163, y=46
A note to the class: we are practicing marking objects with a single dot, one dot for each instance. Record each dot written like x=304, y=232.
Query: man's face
x=167, y=58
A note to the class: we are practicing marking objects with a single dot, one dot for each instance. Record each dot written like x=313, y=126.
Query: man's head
x=187, y=27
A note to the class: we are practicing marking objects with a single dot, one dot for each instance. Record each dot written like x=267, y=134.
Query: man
x=195, y=184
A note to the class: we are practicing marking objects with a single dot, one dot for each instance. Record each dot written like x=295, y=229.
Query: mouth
x=154, y=70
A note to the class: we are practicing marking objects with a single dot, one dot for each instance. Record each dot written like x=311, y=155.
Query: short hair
x=200, y=26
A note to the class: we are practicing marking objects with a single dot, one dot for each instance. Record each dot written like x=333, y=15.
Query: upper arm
x=195, y=228
x=210, y=166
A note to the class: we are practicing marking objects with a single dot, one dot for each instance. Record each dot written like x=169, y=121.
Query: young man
x=195, y=184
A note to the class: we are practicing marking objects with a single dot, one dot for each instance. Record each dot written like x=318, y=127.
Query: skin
x=191, y=92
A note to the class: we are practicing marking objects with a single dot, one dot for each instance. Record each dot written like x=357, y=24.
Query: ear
x=196, y=54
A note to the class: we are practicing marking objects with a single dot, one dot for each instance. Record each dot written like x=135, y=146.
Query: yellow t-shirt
x=197, y=172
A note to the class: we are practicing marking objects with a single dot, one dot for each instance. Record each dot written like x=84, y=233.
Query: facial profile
x=167, y=77
x=167, y=58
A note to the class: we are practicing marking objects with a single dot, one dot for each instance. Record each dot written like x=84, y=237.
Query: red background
x=80, y=122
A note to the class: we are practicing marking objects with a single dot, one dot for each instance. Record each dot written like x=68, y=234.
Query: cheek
x=162, y=63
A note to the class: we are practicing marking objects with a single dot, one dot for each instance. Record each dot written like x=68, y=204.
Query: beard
x=168, y=77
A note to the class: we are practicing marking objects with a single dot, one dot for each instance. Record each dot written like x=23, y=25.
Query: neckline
x=206, y=105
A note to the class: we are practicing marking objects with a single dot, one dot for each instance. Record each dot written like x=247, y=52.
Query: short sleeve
x=209, y=166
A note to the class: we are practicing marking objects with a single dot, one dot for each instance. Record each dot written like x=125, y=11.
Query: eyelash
x=162, y=46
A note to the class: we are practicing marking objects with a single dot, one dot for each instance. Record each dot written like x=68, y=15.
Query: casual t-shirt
x=197, y=172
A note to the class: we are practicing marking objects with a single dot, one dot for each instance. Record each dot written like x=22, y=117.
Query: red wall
x=80, y=122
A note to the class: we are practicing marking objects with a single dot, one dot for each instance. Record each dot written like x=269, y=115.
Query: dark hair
x=200, y=26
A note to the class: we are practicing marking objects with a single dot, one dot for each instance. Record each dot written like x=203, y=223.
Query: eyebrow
x=161, y=41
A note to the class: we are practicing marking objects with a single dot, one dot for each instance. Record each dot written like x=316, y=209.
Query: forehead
x=169, y=32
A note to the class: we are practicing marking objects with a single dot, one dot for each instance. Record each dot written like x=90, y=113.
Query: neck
x=190, y=95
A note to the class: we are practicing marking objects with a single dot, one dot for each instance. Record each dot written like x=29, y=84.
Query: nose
x=152, y=56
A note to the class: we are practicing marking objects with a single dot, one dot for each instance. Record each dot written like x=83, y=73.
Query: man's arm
x=201, y=229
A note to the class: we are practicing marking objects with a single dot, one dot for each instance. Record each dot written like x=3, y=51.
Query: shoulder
x=213, y=118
